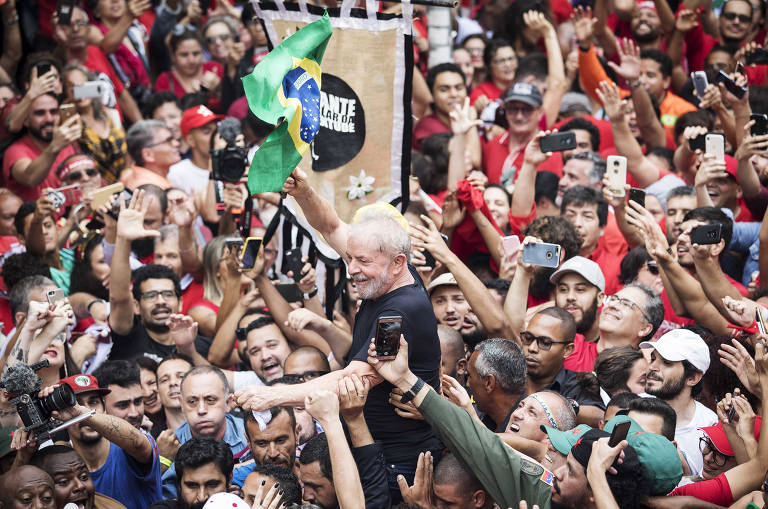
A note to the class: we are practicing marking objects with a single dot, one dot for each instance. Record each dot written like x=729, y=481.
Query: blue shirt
x=234, y=436
x=127, y=481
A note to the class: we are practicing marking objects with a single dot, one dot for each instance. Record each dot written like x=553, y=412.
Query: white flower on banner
x=359, y=186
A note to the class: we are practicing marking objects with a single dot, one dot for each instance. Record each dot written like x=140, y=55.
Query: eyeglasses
x=180, y=28
x=169, y=140
x=222, y=37
x=502, y=61
x=544, y=343
x=653, y=268
x=152, y=295
x=303, y=377
x=78, y=24
x=731, y=16
x=77, y=176
x=718, y=458
x=474, y=51
x=526, y=111
x=627, y=304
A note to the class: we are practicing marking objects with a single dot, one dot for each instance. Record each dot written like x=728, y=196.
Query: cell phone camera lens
x=549, y=255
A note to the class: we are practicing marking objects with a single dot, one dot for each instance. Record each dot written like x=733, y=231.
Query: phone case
x=542, y=254
x=387, y=340
x=558, y=142
x=102, y=195
x=700, y=82
x=250, y=252
x=293, y=263
x=290, y=292
x=637, y=196
x=715, y=144
x=760, y=127
x=706, y=234
x=616, y=170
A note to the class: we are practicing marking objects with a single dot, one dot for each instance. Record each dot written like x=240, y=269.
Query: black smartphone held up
x=292, y=263
x=290, y=292
x=740, y=69
x=43, y=68
x=730, y=85
x=429, y=260
x=250, y=252
x=387, y=340
x=619, y=433
x=760, y=127
x=757, y=57
x=698, y=143
x=542, y=254
x=706, y=234
x=637, y=196
x=558, y=142
x=64, y=12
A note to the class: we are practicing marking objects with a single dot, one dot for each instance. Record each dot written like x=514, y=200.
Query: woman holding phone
x=103, y=136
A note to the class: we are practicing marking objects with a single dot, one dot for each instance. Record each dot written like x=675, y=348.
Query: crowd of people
x=576, y=272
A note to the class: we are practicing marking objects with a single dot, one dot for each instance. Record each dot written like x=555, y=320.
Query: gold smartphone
x=102, y=195
x=66, y=111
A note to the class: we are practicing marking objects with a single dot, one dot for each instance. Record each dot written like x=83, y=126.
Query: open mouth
x=451, y=320
x=151, y=400
x=270, y=367
x=51, y=352
x=514, y=428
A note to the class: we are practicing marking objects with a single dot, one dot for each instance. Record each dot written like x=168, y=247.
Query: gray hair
x=505, y=361
x=167, y=232
x=19, y=294
x=386, y=230
x=598, y=165
x=653, y=308
x=140, y=136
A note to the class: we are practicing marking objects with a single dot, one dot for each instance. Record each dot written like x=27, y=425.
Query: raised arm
x=32, y=172
x=711, y=276
x=556, y=82
x=338, y=340
x=751, y=145
x=222, y=352
x=318, y=211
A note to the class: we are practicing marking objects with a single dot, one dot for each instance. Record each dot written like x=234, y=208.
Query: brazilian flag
x=284, y=89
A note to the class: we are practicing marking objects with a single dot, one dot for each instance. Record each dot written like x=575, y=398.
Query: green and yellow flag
x=284, y=89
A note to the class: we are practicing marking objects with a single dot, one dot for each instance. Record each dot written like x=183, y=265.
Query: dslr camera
x=23, y=385
x=228, y=163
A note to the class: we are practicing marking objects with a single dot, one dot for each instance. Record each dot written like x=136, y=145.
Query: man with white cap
x=197, y=127
x=448, y=302
x=679, y=360
x=579, y=289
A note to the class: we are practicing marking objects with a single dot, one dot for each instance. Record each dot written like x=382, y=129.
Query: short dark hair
x=502, y=189
x=147, y=363
x=27, y=208
x=584, y=125
x=631, y=264
x=758, y=98
x=199, y=451
x=158, y=193
x=43, y=455
x=122, y=373
x=533, y=64
x=158, y=99
x=140, y=136
x=501, y=286
x=177, y=39
x=613, y=366
x=556, y=230
x=665, y=63
x=23, y=265
x=176, y=356
x=450, y=471
x=689, y=370
x=598, y=165
x=153, y=271
x=289, y=483
x=622, y=400
x=665, y=153
x=694, y=118
x=546, y=186
x=582, y=195
x=492, y=47
x=659, y=407
x=681, y=191
x=274, y=411
x=567, y=323
x=441, y=68
x=713, y=215
x=316, y=449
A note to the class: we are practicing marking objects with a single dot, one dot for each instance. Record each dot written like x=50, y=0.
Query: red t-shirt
x=98, y=62
x=24, y=148
x=609, y=264
x=426, y=127
x=191, y=297
x=583, y=356
x=167, y=80
x=486, y=88
x=716, y=491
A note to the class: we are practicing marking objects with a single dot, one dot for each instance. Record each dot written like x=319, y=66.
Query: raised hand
x=268, y=498
x=45, y=84
x=536, y=21
x=130, y=222
x=296, y=184
x=455, y=393
x=67, y=133
x=168, y=444
x=137, y=7
x=740, y=311
x=603, y=455
x=629, y=55
x=302, y=318
x=736, y=358
x=420, y=494
x=182, y=213
x=583, y=25
x=404, y=410
x=391, y=370
x=453, y=212
x=712, y=98
x=686, y=21
x=464, y=118
x=709, y=170
x=609, y=95
x=751, y=145
x=430, y=239
x=655, y=241
x=533, y=154
x=353, y=393
x=183, y=331
x=323, y=406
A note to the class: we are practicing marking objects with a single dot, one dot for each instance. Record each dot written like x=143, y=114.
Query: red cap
x=716, y=433
x=731, y=167
x=197, y=117
x=84, y=383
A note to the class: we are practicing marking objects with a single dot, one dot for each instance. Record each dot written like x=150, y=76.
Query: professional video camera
x=23, y=385
x=228, y=163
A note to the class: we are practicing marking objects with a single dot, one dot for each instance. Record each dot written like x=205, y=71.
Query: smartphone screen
x=387, y=340
x=250, y=252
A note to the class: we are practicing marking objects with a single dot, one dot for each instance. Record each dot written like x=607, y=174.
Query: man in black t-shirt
x=376, y=248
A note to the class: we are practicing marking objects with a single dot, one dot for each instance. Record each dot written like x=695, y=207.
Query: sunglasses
x=653, y=268
x=181, y=28
x=303, y=377
x=212, y=39
x=77, y=176
x=731, y=16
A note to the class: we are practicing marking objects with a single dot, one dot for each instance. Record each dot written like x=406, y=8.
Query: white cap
x=584, y=267
x=224, y=500
x=682, y=345
x=445, y=279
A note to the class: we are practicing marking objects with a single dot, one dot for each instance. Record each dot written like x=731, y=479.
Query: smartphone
x=204, y=4
x=429, y=260
x=700, y=82
x=542, y=254
x=234, y=244
x=757, y=57
x=64, y=11
x=66, y=196
x=66, y=111
x=43, y=68
x=731, y=413
x=760, y=127
x=125, y=197
x=697, y=143
x=510, y=245
x=730, y=85
x=714, y=143
x=290, y=292
x=292, y=262
x=761, y=317
x=387, y=340
x=616, y=169
x=637, y=196
x=55, y=296
x=740, y=69
x=88, y=90
x=558, y=142
x=706, y=234
x=619, y=433
x=101, y=196
x=250, y=252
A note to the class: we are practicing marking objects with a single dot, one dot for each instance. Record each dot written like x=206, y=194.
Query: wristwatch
x=311, y=294
x=412, y=392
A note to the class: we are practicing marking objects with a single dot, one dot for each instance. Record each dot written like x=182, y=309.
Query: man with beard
x=123, y=461
x=25, y=487
x=139, y=313
x=646, y=26
x=125, y=399
x=546, y=342
x=317, y=474
x=679, y=360
x=271, y=475
x=205, y=468
x=265, y=347
x=579, y=289
x=72, y=482
x=29, y=162
x=376, y=248
x=273, y=445
x=154, y=150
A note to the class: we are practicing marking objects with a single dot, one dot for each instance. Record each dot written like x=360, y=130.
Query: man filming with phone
x=376, y=249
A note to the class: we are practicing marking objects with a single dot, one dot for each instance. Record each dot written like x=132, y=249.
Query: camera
x=22, y=385
x=228, y=163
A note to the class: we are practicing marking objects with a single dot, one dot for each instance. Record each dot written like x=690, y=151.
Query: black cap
x=524, y=93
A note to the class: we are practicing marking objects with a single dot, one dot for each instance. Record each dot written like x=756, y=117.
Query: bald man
x=453, y=359
x=26, y=487
x=306, y=362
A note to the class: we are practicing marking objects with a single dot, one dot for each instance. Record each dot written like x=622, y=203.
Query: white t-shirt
x=687, y=436
x=242, y=379
x=187, y=176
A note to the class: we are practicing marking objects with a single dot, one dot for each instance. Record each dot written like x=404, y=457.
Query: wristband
x=311, y=294
x=165, y=461
x=412, y=392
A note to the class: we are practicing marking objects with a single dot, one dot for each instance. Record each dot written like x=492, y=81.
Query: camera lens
x=549, y=255
x=62, y=397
